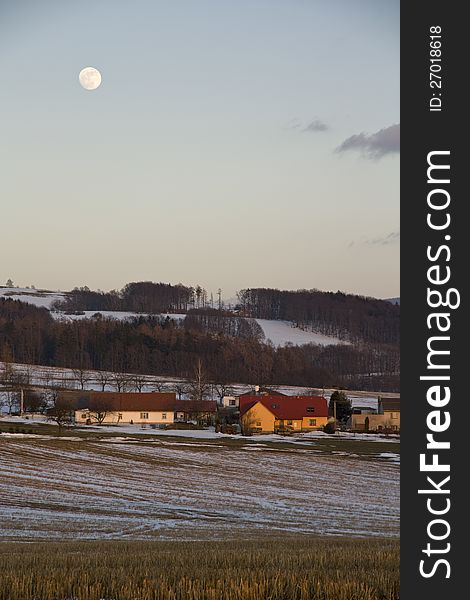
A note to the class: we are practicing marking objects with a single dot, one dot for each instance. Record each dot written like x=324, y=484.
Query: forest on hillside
x=231, y=349
x=346, y=316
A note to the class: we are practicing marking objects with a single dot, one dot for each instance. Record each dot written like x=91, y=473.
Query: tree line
x=346, y=316
x=165, y=346
x=142, y=296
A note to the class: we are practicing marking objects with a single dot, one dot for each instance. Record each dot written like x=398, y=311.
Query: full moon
x=90, y=78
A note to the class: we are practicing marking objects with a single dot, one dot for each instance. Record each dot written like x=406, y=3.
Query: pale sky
x=208, y=153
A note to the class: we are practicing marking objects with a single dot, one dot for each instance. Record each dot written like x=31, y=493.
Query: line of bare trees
x=142, y=296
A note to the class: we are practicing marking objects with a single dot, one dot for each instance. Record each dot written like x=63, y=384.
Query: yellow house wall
x=258, y=418
x=268, y=424
x=375, y=421
x=321, y=421
x=296, y=425
x=154, y=417
x=392, y=418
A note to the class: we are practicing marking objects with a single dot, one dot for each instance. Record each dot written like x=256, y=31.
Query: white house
x=230, y=402
x=131, y=408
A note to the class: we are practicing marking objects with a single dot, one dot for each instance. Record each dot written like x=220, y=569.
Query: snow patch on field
x=53, y=489
x=118, y=315
x=208, y=433
x=281, y=333
x=40, y=298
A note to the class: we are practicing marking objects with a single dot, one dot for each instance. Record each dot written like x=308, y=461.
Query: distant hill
x=295, y=316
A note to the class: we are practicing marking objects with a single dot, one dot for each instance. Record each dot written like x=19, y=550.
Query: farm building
x=154, y=408
x=134, y=408
x=277, y=414
x=387, y=417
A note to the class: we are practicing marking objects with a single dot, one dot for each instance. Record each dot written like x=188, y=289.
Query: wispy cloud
x=374, y=145
x=384, y=240
x=316, y=125
x=313, y=126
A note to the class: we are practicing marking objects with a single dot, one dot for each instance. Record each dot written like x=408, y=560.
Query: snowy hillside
x=279, y=333
x=41, y=298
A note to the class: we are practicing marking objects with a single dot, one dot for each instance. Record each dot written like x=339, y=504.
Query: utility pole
x=219, y=293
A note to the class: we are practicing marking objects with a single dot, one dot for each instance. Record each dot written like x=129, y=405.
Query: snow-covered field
x=121, y=488
x=281, y=333
x=208, y=433
x=41, y=298
x=119, y=315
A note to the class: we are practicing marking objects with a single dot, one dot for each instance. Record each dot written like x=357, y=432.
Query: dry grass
x=300, y=569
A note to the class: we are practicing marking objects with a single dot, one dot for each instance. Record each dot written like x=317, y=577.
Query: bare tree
x=62, y=409
x=198, y=387
x=247, y=422
x=6, y=379
x=104, y=378
x=139, y=381
x=100, y=408
x=223, y=389
x=160, y=386
x=82, y=376
x=181, y=389
x=120, y=381
x=34, y=402
x=13, y=381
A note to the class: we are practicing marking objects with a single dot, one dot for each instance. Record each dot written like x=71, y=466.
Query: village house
x=386, y=418
x=282, y=414
x=390, y=409
x=230, y=402
x=154, y=408
x=112, y=408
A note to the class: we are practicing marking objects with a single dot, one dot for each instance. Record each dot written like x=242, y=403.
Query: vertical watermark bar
x=433, y=301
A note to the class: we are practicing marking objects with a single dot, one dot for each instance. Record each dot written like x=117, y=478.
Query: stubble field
x=103, y=517
x=72, y=487
x=299, y=569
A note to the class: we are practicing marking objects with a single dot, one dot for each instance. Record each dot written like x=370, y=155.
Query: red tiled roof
x=144, y=401
x=126, y=401
x=288, y=407
x=192, y=406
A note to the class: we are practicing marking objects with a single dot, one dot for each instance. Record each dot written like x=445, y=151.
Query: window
x=163, y=416
x=310, y=409
x=144, y=415
x=289, y=422
x=84, y=416
x=232, y=402
x=258, y=423
x=313, y=422
x=274, y=406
